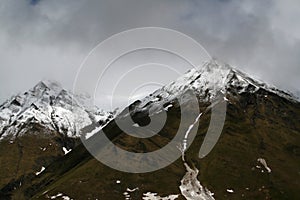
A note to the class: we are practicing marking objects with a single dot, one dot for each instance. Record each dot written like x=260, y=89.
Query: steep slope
x=51, y=106
x=256, y=157
x=39, y=126
x=209, y=81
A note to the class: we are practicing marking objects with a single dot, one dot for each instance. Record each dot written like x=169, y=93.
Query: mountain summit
x=48, y=104
x=40, y=126
x=207, y=82
x=256, y=155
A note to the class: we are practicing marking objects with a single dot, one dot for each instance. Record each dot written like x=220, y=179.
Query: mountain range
x=257, y=155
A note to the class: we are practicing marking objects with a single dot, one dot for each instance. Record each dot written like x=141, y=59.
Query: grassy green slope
x=23, y=156
x=256, y=126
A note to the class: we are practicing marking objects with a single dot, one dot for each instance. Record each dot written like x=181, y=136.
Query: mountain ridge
x=213, y=79
x=259, y=145
x=47, y=103
x=221, y=75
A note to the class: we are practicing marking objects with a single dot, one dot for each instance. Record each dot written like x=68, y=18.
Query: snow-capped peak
x=210, y=80
x=52, y=86
x=48, y=104
x=211, y=76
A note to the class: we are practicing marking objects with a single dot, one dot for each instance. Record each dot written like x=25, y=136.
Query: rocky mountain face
x=51, y=106
x=256, y=157
x=41, y=125
x=207, y=82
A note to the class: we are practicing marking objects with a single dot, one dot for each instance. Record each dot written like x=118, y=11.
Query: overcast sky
x=48, y=39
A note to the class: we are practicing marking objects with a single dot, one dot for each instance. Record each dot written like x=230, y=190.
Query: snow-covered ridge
x=50, y=105
x=244, y=81
x=211, y=79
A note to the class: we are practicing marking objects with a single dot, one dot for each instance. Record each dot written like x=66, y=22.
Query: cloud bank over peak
x=49, y=38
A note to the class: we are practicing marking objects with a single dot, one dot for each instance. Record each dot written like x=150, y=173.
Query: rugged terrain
x=39, y=126
x=256, y=157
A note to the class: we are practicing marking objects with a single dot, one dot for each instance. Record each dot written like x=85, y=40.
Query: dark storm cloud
x=50, y=38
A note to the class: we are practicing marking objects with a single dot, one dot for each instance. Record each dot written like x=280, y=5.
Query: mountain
x=41, y=125
x=48, y=104
x=208, y=81
x=256, y=155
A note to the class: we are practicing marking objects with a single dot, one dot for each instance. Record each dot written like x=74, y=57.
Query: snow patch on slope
x=39, y=172
x=191, y=188
x=66, y=151
x=264, y=163
x=154, y=196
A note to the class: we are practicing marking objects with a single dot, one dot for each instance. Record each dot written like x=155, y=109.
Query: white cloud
x=51, y=38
